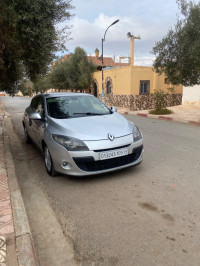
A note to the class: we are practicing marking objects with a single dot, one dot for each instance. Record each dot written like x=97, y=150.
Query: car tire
x=27, y=137
x=48, y=162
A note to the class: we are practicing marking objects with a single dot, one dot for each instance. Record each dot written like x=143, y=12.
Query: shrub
x=159, y=99
x=161, y=112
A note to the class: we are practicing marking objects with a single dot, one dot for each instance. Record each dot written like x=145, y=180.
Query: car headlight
x=136, y=134
x=71, y=144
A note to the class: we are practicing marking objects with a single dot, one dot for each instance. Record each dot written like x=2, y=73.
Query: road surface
x=147, y=215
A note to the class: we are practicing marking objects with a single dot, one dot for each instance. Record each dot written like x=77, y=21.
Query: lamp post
x=103, y=40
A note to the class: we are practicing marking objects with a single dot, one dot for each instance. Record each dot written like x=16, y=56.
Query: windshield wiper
x=88, y=113
x=62, y=117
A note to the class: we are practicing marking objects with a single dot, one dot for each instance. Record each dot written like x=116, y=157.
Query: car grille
x=117, y=148
x=88, y=164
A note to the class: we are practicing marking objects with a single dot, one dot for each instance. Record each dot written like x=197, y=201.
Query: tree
x=28, y=37
x=72, y=74
x=42, y=84
x=80, y=70
x=26, y=87
x=58, y=77
x=177, y=54
x=10, y=67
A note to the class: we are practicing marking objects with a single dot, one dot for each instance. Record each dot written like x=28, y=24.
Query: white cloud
x=148, y=18
x=88, y=35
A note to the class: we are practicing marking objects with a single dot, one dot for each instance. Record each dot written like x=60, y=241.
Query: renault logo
x=111, y=137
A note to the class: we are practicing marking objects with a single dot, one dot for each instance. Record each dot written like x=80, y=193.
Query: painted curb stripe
x=144, y=115
x=165, y=118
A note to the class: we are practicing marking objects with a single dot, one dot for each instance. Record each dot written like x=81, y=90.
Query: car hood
x=92, y=127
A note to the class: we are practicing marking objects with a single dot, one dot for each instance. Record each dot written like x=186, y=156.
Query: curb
x=24, y=242
x=194, y=123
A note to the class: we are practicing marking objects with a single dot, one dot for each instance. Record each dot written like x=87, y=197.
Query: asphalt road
x=147, y=215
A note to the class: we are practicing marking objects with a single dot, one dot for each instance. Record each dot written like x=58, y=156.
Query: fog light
x=66, y=165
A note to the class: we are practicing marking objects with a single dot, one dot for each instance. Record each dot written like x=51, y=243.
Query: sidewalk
x=6, y=219
x=16, y=244
x=189, y=114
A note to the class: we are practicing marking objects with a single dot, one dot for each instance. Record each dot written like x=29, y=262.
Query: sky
x=151, y=19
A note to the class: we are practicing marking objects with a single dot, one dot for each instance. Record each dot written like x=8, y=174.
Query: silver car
x=79, y=135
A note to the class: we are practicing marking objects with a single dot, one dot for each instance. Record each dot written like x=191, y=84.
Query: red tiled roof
x=66, y=56
x=107, y=61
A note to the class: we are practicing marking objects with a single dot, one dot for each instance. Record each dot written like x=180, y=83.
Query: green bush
x=159, y=99
x=161, y=112
x=160, y=104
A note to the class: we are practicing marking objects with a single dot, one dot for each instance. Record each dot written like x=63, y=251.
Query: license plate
x=113, y=154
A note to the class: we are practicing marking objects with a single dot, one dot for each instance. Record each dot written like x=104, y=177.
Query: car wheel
x=26, y=135
x=48, y=162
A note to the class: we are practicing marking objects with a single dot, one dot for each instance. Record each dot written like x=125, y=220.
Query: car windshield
x=63, y=107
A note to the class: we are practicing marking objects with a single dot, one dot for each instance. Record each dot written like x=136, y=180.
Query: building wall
x=141, y=102
x=191, y=95
x=120, y=77
x=160, y=84
x=140, y=73
x=125, y=87
x=126, y=80
x=157, y=82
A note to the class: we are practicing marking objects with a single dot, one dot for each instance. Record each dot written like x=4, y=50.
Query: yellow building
x=123, y=84
x=127, y=85
x=133, y=86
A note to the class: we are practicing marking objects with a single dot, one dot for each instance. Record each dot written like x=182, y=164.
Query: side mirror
x=113, y=109
x=35, y=116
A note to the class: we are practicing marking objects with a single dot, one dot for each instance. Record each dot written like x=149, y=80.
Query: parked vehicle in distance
x=79, y=135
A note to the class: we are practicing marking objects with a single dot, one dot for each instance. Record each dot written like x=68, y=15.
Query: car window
x=37, y=105
x=75, y=106
x=33, y=103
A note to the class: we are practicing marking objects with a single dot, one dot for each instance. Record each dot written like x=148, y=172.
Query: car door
x=38, y=125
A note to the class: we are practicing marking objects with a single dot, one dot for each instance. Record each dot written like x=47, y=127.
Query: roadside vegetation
x=163, y=111
x=159, y=97
x=74, y=73
x=29, y=39
x=177, y=54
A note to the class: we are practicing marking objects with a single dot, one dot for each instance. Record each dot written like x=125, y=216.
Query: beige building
x=191, y=95
x=127, y=85
x=132, y=80
x=132, y=86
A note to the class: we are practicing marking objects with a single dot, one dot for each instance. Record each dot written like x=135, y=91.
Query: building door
x=95, y=90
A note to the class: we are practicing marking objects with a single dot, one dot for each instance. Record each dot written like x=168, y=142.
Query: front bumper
x=88, y=162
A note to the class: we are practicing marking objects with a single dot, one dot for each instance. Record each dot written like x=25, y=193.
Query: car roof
x=60, y=94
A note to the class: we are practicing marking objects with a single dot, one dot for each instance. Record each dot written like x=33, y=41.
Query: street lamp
x=103, y=40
